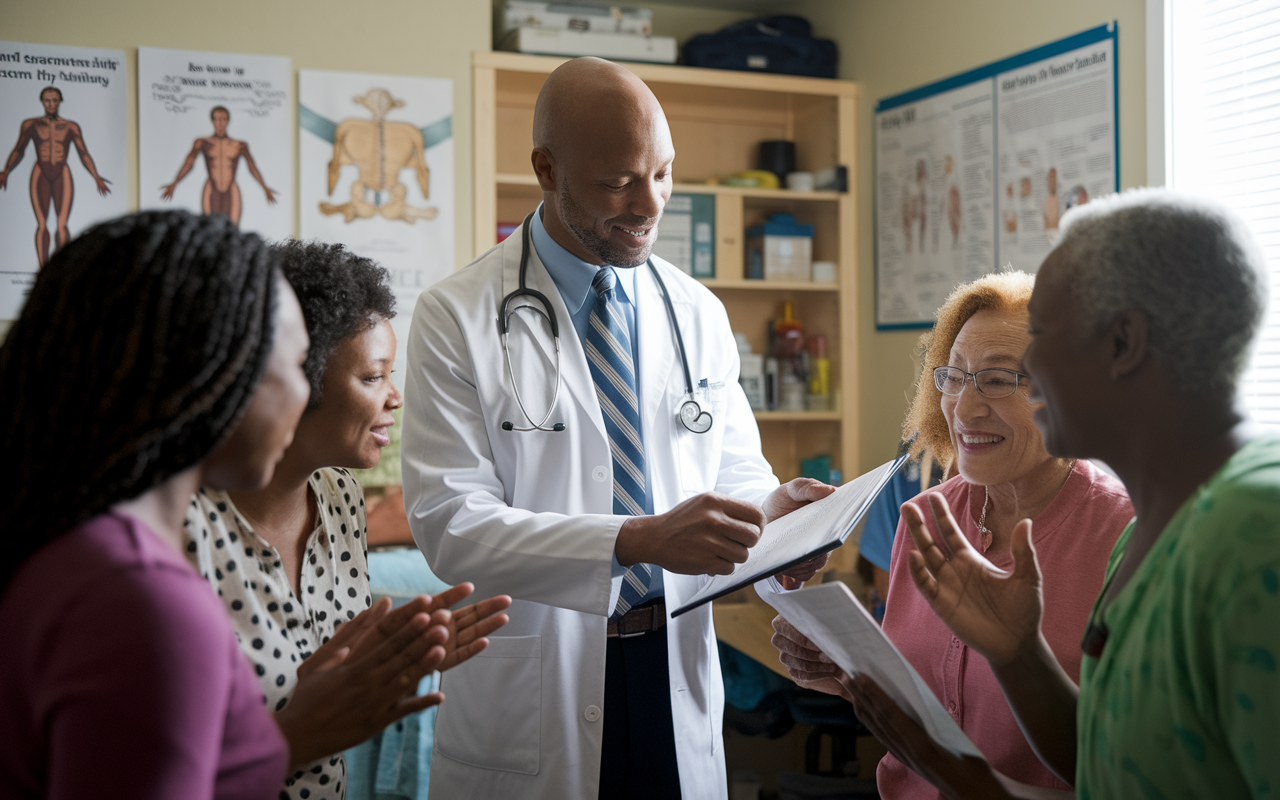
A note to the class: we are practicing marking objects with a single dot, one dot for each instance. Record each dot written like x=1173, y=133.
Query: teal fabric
x=396, y=763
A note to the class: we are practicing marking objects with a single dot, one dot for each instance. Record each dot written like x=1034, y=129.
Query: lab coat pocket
x=700, y=452
x=493, y=717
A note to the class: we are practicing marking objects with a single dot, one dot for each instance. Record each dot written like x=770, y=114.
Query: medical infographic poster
x=1057, y=145
x=215, y=136
x=63, y=123
x=934, y=191
x=376, y=160
x=973, y=172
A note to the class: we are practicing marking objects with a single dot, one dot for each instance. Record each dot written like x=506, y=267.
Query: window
x=1222, y=137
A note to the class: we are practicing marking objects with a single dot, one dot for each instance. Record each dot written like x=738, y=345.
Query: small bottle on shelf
x=819, y=398
x=751, y=373
x=793, y=362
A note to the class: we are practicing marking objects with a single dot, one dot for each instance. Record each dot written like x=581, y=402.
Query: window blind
x=1224, y=140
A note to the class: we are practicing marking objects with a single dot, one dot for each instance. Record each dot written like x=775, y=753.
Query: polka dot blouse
x=277, y=629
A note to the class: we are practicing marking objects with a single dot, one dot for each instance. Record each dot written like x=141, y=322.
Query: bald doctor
x=576, y=477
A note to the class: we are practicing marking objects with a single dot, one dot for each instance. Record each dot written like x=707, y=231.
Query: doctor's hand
x=705, y=535
x=792, y=495
x=782, y=501
x=806, y=664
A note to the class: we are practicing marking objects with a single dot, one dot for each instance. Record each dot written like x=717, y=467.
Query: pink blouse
x=1073, y=538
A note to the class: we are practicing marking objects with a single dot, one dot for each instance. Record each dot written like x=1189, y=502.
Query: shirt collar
x=571, y=274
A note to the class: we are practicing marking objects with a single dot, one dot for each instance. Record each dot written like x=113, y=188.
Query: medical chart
x=833, y=619
x=973, y=172
x=804, y=533
x=215, y=136
x=65, y=162
x=375, y=154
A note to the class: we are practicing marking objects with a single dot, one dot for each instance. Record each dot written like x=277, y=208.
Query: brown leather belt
x=639, y=621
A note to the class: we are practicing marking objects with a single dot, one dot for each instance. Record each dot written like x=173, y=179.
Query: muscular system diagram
x=379, y=149
x=222, y=156
x=51, y=175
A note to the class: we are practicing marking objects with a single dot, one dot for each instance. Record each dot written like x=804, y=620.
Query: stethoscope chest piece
x=693, y=417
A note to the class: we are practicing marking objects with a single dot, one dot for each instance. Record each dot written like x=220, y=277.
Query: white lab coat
x=530, y=515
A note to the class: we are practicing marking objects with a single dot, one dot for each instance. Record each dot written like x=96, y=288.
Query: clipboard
x=803, y=534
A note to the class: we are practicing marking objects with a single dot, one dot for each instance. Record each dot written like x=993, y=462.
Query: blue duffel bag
x=782, y=43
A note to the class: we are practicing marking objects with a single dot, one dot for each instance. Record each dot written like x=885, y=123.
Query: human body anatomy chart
x=376, y=160
x=974, y=172
x=215, y=136
x=63, y=123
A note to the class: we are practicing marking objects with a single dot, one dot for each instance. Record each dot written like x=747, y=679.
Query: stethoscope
x=691, y=415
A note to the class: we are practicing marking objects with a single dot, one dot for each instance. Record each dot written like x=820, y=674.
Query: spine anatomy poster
x=63, y=127
x=973, y=172
x=376, y=160
x=215, y=136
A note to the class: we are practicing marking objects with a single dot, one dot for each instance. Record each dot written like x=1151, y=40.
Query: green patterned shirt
x=1185, y=699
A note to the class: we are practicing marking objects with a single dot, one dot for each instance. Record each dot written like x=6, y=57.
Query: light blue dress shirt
x=572, y=277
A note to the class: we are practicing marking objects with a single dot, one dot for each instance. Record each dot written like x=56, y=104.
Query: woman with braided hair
x=156, y=352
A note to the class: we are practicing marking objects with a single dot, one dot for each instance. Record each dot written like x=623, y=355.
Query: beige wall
x=890, y=46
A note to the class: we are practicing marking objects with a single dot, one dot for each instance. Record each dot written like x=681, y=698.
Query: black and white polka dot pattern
x=276, y=629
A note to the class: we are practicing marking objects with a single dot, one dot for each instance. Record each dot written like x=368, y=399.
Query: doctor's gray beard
x=577, y=220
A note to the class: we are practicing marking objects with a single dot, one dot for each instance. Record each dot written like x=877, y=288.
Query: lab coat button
x=599, y=474
x=592, y=713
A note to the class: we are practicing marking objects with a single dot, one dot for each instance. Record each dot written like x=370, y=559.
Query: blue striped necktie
x=608, y=348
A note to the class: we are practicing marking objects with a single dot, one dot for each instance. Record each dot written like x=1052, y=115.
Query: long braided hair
x=138, y=350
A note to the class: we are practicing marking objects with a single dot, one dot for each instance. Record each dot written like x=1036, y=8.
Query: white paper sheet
x=805, y=531
x=840, y=627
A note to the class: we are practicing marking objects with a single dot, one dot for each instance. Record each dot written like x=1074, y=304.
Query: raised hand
x=364, y=678
x=708, y=534
x=997, y=613
x=805, y=663
x=469, y=625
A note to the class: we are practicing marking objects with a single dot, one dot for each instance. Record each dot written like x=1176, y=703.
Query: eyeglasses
x=993, y=383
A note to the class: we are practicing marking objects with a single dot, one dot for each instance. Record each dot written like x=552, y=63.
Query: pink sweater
x=121, y=678
x=1073, y=538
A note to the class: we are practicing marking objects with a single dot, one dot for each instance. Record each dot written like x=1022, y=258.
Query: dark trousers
x=638, y=759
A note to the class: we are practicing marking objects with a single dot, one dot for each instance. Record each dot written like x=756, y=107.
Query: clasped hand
x=367, y=675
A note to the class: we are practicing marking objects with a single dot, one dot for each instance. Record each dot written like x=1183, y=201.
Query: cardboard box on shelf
x=780, y=249
x=616, y=46
x=574, y=17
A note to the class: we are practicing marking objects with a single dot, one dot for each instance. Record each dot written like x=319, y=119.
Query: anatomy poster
x=215, y=136
x=973, y=172
x=63, y=127
x=1057, y=145
x=934, y=189
x=376, y=160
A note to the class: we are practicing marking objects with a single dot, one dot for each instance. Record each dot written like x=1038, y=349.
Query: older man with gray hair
x=1141, y=321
